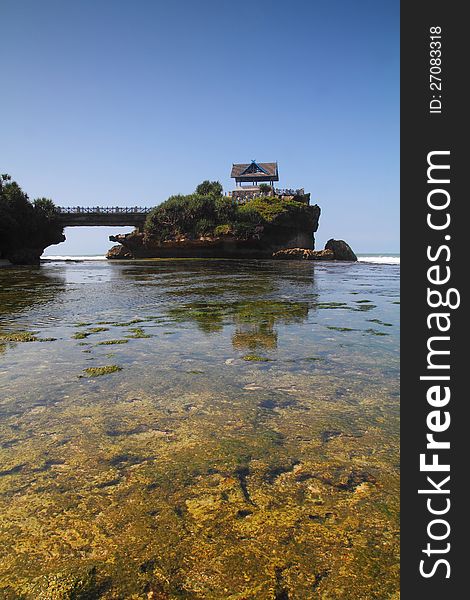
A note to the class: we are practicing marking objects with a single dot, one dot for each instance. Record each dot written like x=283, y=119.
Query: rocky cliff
x=26, y=228
x=29, y=253
x=268, y=238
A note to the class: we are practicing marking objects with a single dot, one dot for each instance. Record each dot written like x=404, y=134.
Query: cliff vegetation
x=207, y=213
x=26, y=227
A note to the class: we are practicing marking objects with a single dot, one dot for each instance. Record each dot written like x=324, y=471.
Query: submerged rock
x=65, y=586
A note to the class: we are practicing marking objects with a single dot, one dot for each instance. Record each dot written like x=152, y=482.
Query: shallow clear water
x=245, y=446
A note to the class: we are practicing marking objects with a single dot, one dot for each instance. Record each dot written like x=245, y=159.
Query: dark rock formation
x=267, y=240
x=139, y=245
x=341, y=249
x=26, y=228
x=118, y=252
x=29, y=252
x=334, y=250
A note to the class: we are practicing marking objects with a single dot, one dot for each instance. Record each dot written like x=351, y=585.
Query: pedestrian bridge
x=102, y=216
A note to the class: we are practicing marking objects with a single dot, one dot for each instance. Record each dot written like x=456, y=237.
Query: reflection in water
x=22, y=289
x=254, y=320
x=254, y=336
x=245, y=446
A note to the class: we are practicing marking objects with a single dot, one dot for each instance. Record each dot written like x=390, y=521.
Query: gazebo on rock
x=257, y=179
x=255, y=173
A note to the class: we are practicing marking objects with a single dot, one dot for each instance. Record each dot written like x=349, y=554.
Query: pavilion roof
x=255, y=170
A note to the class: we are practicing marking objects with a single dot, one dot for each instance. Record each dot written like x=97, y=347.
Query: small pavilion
x=253, y=174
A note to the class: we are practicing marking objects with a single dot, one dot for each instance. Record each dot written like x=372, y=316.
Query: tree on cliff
x=25, y=224
x=46, y=207
x=209, y=188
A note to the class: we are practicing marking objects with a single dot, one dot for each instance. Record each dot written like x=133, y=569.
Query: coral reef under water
x=252, y=454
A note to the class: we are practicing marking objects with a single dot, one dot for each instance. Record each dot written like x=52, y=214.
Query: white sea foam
x=380, y=259
x=73, y=258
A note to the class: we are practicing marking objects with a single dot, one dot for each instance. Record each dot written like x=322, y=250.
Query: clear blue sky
x=125, y=103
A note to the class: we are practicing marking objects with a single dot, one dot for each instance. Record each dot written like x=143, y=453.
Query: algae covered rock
x=97, y=371
x=65, y=586
x=304, y=254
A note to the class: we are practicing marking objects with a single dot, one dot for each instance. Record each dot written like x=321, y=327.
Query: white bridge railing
x=105, y=210
x=244, y=193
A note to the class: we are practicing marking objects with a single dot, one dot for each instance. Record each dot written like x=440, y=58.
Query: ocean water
x=386, y=259
x=200, y=429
